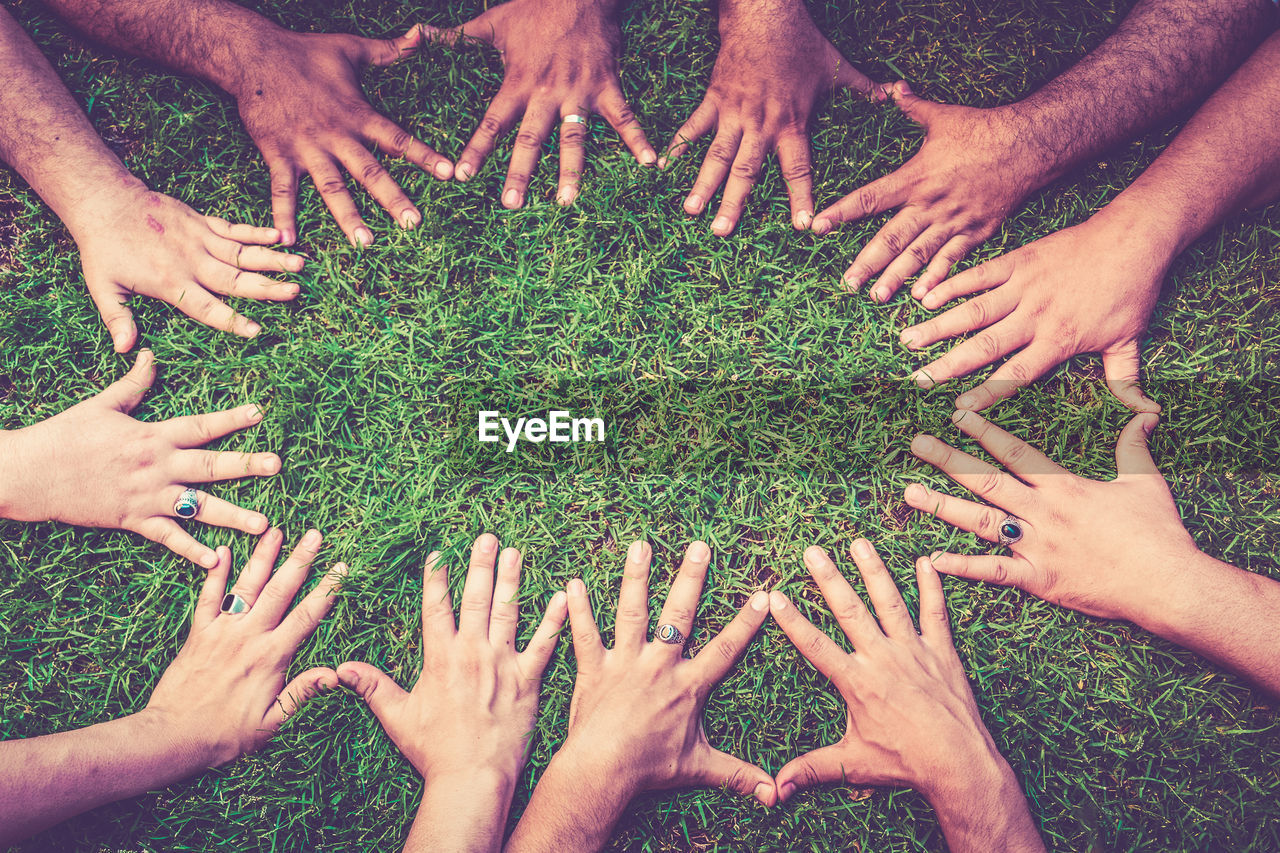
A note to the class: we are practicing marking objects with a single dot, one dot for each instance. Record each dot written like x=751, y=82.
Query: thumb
x=919, y=110
x=378, y=690
x=115, y=315
x=851, y=78
x=382, y=52
x=827, y=764
x=480, y=28
x=1120, y=366
x=127, y=392
x=722, y=770
x=297, y=693
x=1133, y=456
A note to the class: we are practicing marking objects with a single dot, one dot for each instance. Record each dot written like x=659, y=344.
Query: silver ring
x=573, y=118
x=1010, y=530
x=188, y=504
x=232, y=603
x=670, y=635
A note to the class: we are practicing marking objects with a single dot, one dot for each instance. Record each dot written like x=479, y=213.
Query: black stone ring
x=1010, y=530
x=670, y=635
x=187, y=504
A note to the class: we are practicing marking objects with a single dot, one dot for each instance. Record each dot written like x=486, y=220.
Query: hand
x=1041, y=305
x=975, y=166
x=474, y=704
x=95, y=466
x=636, y=712
x=1106, y=549
x=772, y=68
x=560, y=57
x=224, y=695
x=138, y=241
x=300, y=100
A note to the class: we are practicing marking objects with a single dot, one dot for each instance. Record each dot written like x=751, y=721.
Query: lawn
x=750, y=403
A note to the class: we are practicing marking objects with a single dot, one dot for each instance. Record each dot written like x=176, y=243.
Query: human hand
x=636, y=714
x=560, y=58
x=138, y=241
x=974, y=168
x=472, y=709
x=1043, y=310
x=1105, y=549
x=95, y=466
x=300, y=99
x=772, y=68
x=224, y=695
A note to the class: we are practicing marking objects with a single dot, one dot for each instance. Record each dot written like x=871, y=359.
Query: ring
x=1010, y=530
x=574, y=118
x=670, y=635
x=188, y=504
x=232, y=603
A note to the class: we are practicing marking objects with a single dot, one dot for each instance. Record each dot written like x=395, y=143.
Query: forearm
x=467, y=814
x=47, y=779
x=20, y=499
x=573, y=808
x=985, y=810
x=1163, y=57
x=45, y=135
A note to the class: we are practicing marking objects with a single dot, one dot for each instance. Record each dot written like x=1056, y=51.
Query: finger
x=977, y=313
x=935, y=627
x=477, y=589
x=498, y=119
x=984, y=480
x=988, y=346
x=378, y=690
x=227, y=280
x=922, y=112
x=587, y=648
x=302, y=621
x=908, y=263
x=722, y=770
x=504, y=615
x=333, y=191
x=984, y=276
x=219, y=513
x=284, y=199
x=796, y=162
x=1001, y=569
x=880, y=195
x=976, y=518
x=373, y=176
x=846, y=605
x=248, y=235
x=212, y=590
x=573, y=159
x=742, y=178
x=297, y=693
x=1018, y=372
x=257, y=570
x=717, y=657
x=1120, y=365
x=116, y=316
x=383, y=52
x=127, y=392
x=888, y=244
x=281, y=587
x=199, y=304
x=166, y=532
x=534, y=659
x=234, y=253
x=394, y=141
x=437, y=605
x=891, y=610
x=534, y=130
x=682, y=601
x=828, y=764
x=1010, y=451
x=208, y=466
x=951, y=253
x=816, y=647
x=852, y=79
x=198, y=430
x=701, y=122
x=614, y=108
x=1133, y=453
x=631, y=627
x=715, y=166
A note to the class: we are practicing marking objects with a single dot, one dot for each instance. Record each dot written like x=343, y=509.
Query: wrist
x=20, y=497
x=1148, y=219
x=100, y=203
x=580, y=761
x=184, y=754
x=1176, y=608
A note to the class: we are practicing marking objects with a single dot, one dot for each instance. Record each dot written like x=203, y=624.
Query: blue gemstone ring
x=670, y=635
x=188, y=504
x=1010, y=530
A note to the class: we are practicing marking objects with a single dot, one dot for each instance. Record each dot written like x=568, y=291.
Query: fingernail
x=209, y=560
x=340, y=569
x=565, y=197
x=462, y=172
x=762, y=791
x=785, y=792
x=915, y=492
x=648, y=157
x=923, y=380
x=410, y=219
x=576, y=588
x=511, y=199
x=296, y=264
x=272, y=465
x=253, y=412
x=777, y=601
x=252, y=329
x=958, y=415
x=1149, y=423
x=862, y=548
x=662, y=162
x=287, y=237
x=444, y=170
x=311, y=540
x=930, y=300
x=488, y=544
x=433, y=556
x=803, y=219
x=966, y=401
x=935, y=555
x=693, y=204
x=907, y=340
x=880, y=294
x=821, y=226
x=363, y=236
x=634, y=550
x=259, y=523
x=558, y=599
x=698, y=552
x=721, y=225
x=760, y=601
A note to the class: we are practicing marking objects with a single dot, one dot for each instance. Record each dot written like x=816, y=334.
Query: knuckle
x=987, y=345
x=372, y=171
x=797, y=172
x=988, y=482
x=722, y=153
x=814, y=646
x=528, y=139
x=727, y=650
x=893, y=241
x=988, y=519
x=332, y=186
x=978, y=314
x=490, y=126
x=746, y=171
x=399, y=141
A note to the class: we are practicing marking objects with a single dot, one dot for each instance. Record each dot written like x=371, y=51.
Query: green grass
x=752, y=404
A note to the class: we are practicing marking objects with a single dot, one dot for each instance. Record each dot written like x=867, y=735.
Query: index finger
x=437, y=605
x=879, y=195
x=198, y=430
x=1012, y=452
x=984, y=480
x=391, y=139
x=719, y=656
x=816, y=647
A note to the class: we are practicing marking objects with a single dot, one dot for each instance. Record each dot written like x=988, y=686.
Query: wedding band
x=574, y=118
x=670, y=635
x=1010, y=530
x=232, y=603
x=188, y=504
